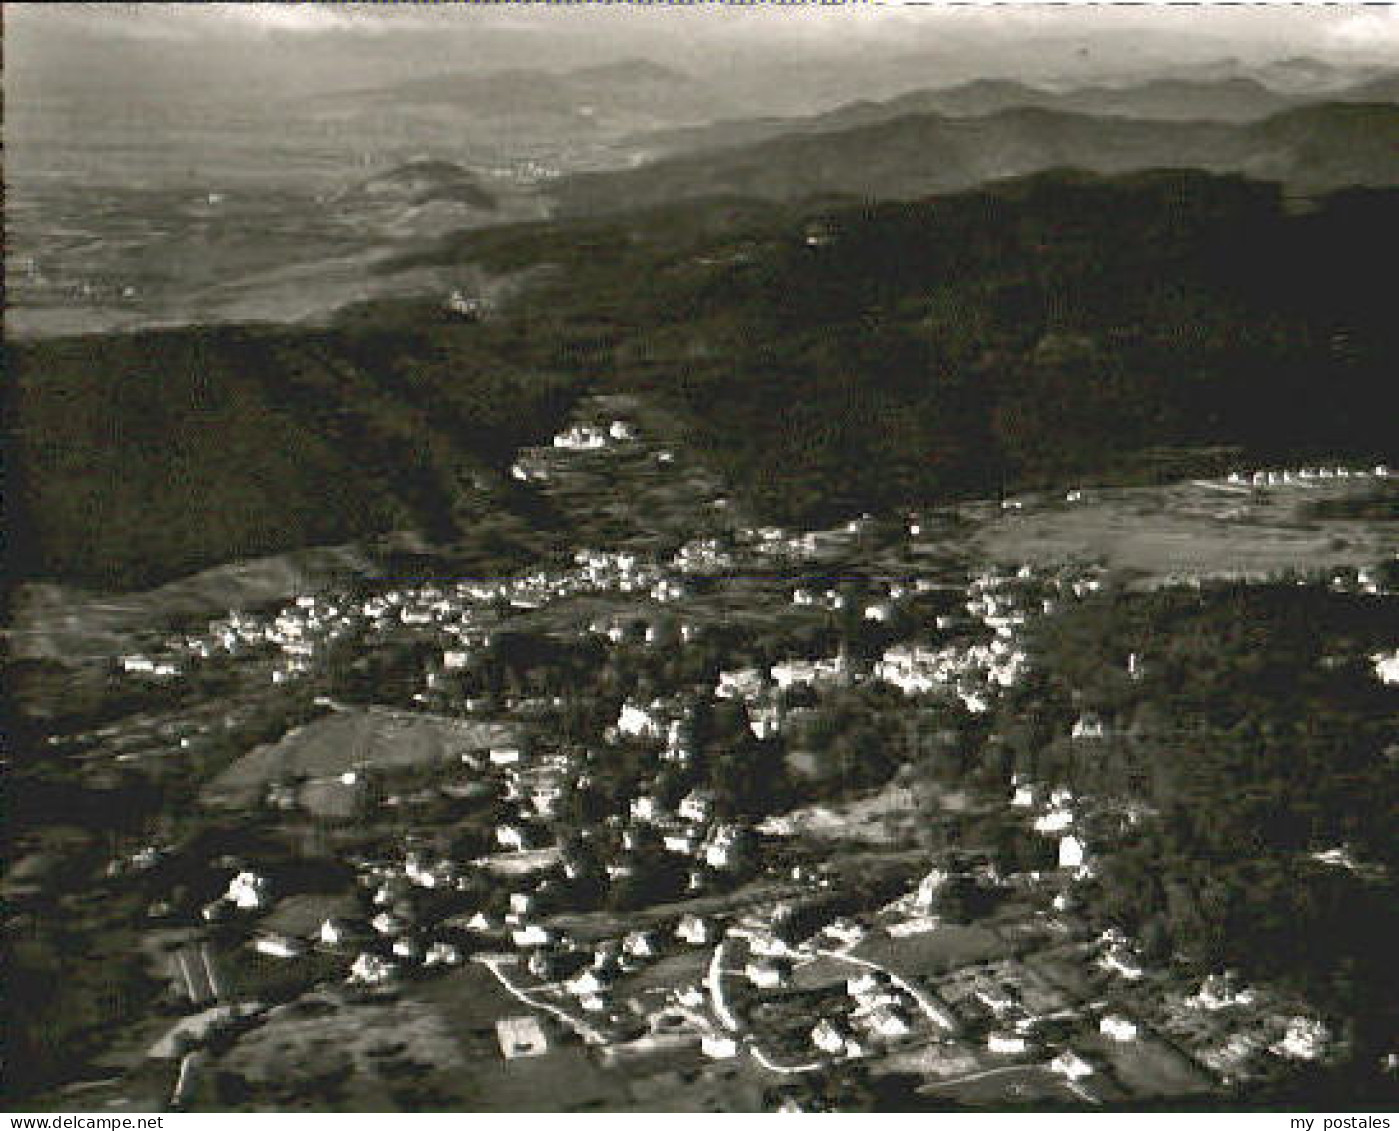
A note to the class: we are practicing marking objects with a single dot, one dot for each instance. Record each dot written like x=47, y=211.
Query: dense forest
x=827, y=358
x=1254, y=735
x=138, y=458
x=861, y=356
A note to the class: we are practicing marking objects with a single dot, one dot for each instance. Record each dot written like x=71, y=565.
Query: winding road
x=582, y=1028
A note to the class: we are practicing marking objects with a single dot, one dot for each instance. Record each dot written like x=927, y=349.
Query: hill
x=832, y=359
x=140, y=457
x=1312, y=149
x=826, y=359
x=420, y=182
x=1234, y=99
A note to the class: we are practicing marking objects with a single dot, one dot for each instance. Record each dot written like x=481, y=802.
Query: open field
x=732, y=1086
x=1000, y=1087
x=1192, y=530
x=887, y=816
x=933, y=952
x=1149, y=1067
x=53, y=622
x=304, y=1049
x=340, y=742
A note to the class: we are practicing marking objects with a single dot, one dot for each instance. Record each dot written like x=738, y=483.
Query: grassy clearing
x=337, y=743
x=1190, y=530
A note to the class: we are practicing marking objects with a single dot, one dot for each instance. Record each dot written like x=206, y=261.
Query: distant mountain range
x=1230, y=98
x=1310, y=149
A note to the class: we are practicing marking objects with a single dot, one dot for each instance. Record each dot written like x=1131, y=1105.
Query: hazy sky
x=281, y=48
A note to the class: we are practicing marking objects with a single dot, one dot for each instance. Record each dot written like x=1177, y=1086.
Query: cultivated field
x=345, y=740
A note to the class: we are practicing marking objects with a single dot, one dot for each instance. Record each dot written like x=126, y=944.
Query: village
x=590, y=820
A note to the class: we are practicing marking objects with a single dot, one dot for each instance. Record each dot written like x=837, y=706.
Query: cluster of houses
x=693, y=831
x=1119, y=954
x=591, y=437
x=541, y=464
x=1238, y=1031
x=1290, y=476
x=977, y=672
x=877, y=1013
x=995, y=997
x=761, y=691
x=298, y=633
x=703, y=556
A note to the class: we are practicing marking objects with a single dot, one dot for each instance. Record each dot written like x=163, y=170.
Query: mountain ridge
x=916, y=154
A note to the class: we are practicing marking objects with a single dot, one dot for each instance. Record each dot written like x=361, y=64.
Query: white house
x=697, y=806
x=865, y=983
x=1306, y=1039
x=682, y=841
x=248, y=891
x=1387, y=666
x=723, y=849
x=636, y=723
x=829, y=1037
x=1220, y=991
x=1054, y=820
x=845, y=931
x=890, y=1021
x=371, y=970
x=1072, y=852
x=590, y=981
x=746, y=683
x=640, y=944
x=1007, y=1044
x=1070, y=1065
x=694, y=930
x=532, y=935
x=765, y=975
x=442, y=954
x=1118, y=1027
x=335, y=932
x=718, y=1046
x=1089, y=725
x=928, y=888
x=278, y=946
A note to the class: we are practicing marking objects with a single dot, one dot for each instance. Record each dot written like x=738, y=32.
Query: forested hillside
x=1030, y=333
x=1254, y=736
x=1316, y=148
x=1037, y=332
x=137, y=458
